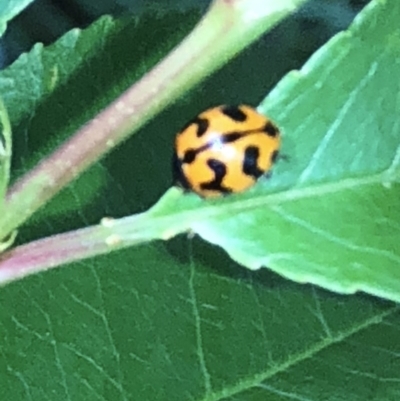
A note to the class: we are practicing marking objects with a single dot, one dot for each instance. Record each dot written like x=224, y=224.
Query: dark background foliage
x=46, y=20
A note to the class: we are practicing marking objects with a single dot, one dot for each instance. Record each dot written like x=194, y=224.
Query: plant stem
x=110, y=235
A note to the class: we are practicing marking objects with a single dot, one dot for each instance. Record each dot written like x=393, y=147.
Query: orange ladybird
x=225, y=150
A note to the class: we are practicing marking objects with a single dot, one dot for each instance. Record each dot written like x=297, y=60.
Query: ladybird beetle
x=225, y=150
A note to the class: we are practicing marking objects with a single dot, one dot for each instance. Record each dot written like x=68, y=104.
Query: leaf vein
x=332, y=238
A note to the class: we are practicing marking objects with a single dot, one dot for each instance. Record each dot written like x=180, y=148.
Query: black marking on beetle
x=202, y=126
x=234, y=113
x=250, y=162
x=190, y=155
x=271, y=130
x=219, y=170
x=178, y=175
x=232, y=136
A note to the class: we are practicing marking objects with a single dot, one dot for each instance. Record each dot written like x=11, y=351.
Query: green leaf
x=334, y=217
x=160, y=322
x=9, y=9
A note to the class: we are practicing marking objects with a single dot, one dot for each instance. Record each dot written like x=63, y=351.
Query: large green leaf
x=9, y=9
x=338, y=224
x=330, y=215
x=176, y=320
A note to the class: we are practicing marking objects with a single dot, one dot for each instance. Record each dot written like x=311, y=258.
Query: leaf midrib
x=156, y=224
x=294, y=194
